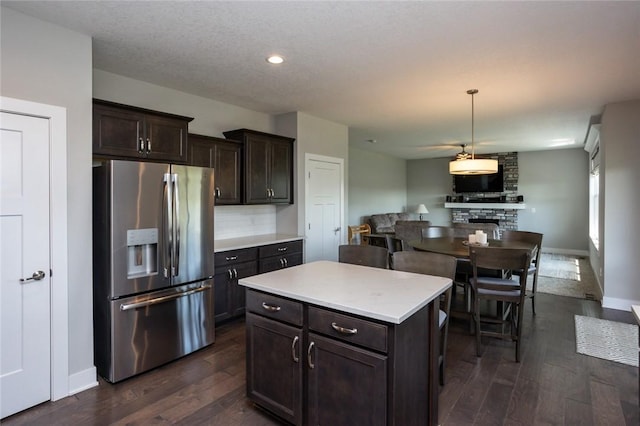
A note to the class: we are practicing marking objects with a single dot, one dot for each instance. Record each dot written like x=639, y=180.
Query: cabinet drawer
x=235, y=256
x=274, y=307
x=281, y=248
x=367, y=333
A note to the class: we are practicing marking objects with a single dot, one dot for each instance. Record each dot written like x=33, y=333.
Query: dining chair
x=462, y=230
x=504, y=290
x=364, y=255
x=437, y=232
x=439, y=265
x=534, y=239
x=407, y=230
x=393, y=245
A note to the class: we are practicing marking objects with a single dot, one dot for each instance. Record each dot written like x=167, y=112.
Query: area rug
x=610, y=340
x=564, y=275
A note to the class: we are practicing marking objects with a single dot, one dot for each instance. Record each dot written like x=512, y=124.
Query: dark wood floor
x=552, y=384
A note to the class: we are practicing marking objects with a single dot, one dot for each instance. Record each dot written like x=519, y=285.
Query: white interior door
x=325, y=189
x=25, y=376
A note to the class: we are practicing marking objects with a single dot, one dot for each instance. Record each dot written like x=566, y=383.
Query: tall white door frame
x=57, y=117
x=340, y=161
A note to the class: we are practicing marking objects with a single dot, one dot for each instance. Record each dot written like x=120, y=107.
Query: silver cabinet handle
x=37, y=276
x=229, y=258
x=148, y=145
x=311, y=366
x=286, y=262
x=281, y=262
x=293, y=349
x=281, y=249
x=129, y=306
x=235, y=273
x=230, y=274
x=270, y=308
x=268, y=193
x=343, y=330
x=217, y=192
x=141, y=146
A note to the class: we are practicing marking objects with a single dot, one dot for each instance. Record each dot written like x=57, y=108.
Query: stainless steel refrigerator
x=152, y=264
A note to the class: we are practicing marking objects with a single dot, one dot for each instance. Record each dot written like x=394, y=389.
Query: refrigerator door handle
x=129, y=306
x=176, y=225
x=166, y=226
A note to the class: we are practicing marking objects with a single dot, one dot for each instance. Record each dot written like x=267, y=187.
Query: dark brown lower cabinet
x=336, y=368
x=311, y=365
x=274, y=371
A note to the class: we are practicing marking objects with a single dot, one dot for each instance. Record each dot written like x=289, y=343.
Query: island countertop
x=386, y=295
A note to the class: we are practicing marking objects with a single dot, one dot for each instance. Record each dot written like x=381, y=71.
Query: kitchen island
x=335, y=343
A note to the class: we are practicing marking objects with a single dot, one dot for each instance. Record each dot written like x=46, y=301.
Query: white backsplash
x=244, y=221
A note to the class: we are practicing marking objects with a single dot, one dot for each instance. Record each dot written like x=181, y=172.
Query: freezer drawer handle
x=270, y=308
x=129, y=306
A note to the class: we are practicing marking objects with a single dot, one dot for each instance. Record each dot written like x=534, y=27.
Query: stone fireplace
x=500, y=208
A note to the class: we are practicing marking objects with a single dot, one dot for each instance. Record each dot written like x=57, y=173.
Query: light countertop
x=253, y=241
x=383, y=294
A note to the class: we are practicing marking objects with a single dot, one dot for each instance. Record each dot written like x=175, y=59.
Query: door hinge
x=309, y=175
x=50, y=273
x=309, y=226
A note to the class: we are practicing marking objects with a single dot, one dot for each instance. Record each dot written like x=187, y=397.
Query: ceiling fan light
x=477, y=166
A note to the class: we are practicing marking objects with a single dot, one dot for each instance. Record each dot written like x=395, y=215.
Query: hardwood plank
x=606, y=404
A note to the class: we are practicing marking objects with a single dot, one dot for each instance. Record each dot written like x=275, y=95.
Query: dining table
x=459, y=247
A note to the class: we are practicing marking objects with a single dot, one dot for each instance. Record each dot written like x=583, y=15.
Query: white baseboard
x=83, y=380
x=584, y=253
x=619, y=304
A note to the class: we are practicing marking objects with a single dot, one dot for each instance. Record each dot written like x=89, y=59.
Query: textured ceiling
x=395, y=72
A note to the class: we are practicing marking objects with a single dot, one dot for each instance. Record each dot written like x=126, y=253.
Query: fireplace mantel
x=505, y=206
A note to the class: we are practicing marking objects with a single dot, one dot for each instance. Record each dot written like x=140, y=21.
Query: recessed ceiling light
x=275, y=59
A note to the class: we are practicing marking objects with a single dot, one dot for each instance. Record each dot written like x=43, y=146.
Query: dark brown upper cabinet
x=122, y=131
x=268, y=161
x=225, y=156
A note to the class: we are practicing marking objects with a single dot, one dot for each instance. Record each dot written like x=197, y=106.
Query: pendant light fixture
x=473, y=166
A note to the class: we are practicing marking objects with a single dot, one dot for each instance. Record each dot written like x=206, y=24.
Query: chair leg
x=519, y=329
x=534, y=288
x=442, y=372
x=476, y=318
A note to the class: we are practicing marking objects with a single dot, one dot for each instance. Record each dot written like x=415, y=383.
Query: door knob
x=337, y=229
x=37, y=276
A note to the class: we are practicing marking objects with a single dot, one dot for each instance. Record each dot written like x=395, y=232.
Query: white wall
x=428, y=183
x=556, y=185
x=619, y=177
x=314, y=136
x=48, y=64
x=377, y=184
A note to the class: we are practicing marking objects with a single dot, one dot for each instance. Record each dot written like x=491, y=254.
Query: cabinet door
x=257, y=169
x=222, y=282
x=237, y=297
x=281, y=174
x=274, y=367
x=118, y=132
x=228, y=173
x=201, y=152
x=230, y=300
x=166, y=139
x=346, y=385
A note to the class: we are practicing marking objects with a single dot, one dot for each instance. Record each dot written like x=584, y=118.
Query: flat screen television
x=480, y=183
